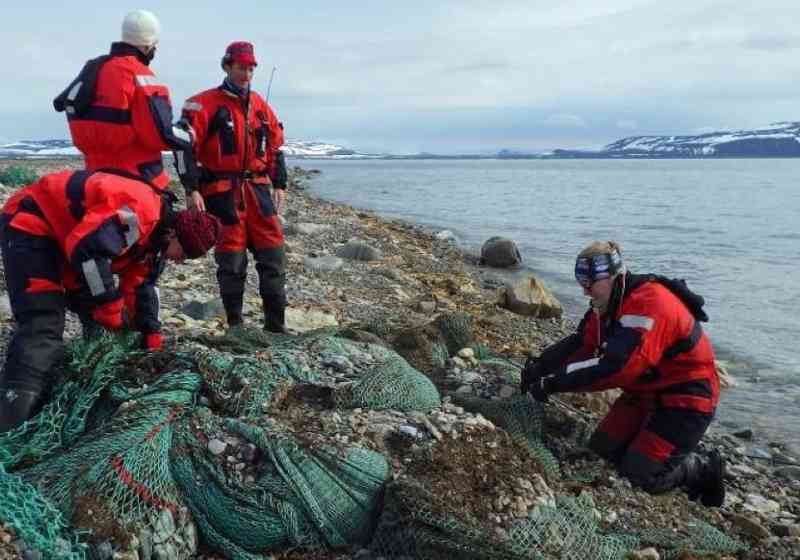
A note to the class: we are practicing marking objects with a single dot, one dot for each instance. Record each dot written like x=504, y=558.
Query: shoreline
x=419, y=276
x=741, y=412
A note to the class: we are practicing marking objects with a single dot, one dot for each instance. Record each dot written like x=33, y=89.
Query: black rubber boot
x=705, y=478
x=233, y=308
x=232, y=276
x=275, y=314
x=17, y=406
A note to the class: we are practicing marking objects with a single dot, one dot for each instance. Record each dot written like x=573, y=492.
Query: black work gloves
x=540, y=390
x=531, y=374
x=534, y=379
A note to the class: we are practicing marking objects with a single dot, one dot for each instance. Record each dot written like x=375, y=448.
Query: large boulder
x=306, y=228
x=327, y=263
x=500, y=252
x=204, y=310
x=358, y=251
x=529, y=297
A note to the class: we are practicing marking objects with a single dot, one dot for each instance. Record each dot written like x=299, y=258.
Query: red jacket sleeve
x=277, y=163
x=276, y=138
x=106, y=232
x=646, y=326
x=195, y=116
x=138, y=286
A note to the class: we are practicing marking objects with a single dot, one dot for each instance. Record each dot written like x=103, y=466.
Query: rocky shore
x=351, y=268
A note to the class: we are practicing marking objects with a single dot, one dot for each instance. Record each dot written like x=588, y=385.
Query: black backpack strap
x=693, y=301
x=77, y=98
x=685, y=344
x=76, y=193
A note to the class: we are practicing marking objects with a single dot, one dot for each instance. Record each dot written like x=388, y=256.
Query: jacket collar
x=124, y=49
x=233, y=90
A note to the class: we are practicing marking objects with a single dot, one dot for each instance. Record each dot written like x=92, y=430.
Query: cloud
x=566, y=121
x=771, y=42
x=576, y=71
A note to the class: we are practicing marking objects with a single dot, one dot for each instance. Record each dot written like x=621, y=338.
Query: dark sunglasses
x=584, y=280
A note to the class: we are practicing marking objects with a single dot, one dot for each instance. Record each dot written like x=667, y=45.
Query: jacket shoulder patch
x=636, y=322
x=145, y=80
x=582, y=365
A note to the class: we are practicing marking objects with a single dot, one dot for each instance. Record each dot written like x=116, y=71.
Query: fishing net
x=700, y=539
x=418, y=523
x=223, y=440
x=305, y=497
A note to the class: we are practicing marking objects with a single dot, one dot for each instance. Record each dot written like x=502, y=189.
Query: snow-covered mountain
x=776, y=140
x=63, y=148
x=38, y=149
x=306, y=149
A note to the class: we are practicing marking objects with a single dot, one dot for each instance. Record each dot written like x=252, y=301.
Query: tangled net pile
x=128, y=451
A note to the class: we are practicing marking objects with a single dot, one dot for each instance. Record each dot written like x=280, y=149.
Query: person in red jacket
x=243, y=182
x=642, y=334
x=63, y=240
x=120, y=116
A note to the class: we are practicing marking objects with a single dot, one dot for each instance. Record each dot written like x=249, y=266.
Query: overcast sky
x=440, y=75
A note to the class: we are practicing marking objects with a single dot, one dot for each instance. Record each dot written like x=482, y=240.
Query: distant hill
x=32, y=149
x=39, y=149
x=776, y=140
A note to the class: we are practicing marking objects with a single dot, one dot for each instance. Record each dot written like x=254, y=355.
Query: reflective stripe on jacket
x=653, y=347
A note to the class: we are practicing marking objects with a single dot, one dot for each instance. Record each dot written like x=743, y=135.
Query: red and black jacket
x=235, y=138
x=649, y=343
x=121, y=117
x=106, y=225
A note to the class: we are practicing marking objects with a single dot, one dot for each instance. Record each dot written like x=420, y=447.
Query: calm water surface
x=730, y=227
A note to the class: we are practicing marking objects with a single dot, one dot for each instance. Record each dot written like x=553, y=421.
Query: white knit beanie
x=140, y=28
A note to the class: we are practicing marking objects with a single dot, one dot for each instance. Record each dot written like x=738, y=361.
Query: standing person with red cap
x=243, y=182
x=119, y=116
x=63, y=240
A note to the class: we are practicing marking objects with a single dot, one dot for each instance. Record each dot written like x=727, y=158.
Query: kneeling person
x=63, y=240
x=641, y=334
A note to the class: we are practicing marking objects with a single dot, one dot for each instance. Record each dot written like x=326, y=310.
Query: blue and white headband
x=590, y=269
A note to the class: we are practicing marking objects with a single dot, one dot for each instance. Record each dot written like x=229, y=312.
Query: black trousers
x=33, y=269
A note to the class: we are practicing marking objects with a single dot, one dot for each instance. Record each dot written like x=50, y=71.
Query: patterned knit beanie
x=197, y=232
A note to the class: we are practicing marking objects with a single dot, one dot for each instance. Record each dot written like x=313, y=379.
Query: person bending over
x=63, y=240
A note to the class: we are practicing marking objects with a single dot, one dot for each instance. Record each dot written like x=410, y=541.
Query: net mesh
x=147, y=451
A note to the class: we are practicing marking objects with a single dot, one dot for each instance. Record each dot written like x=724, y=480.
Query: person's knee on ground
x=618, y=428
x=607, y=448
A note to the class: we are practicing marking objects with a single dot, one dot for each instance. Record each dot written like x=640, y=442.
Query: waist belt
x=208, y=176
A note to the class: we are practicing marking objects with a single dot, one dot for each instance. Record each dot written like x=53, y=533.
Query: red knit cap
x=240, y=51
x=197, y=232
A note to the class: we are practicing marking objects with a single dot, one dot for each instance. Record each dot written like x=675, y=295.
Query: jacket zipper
x=242, y=180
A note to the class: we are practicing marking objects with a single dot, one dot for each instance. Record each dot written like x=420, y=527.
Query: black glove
x=531, y=374
x=540, y=389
